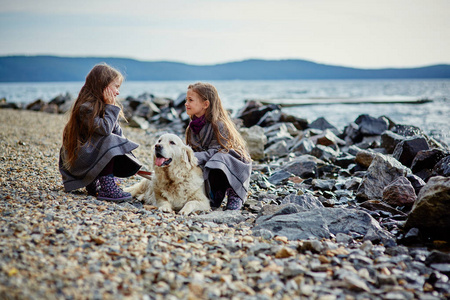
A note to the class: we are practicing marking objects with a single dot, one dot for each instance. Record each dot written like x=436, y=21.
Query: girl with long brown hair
x=94, y=149
x=219, y=148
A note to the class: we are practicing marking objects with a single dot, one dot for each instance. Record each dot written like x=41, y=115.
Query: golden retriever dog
x=177, y=181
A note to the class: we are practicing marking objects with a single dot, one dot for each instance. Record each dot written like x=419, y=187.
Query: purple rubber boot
x=110, y=191
x=234, y=202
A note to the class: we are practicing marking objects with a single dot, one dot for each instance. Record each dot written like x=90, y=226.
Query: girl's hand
x=109, y=96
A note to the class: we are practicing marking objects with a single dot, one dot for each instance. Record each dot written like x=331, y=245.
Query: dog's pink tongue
x=159, y=161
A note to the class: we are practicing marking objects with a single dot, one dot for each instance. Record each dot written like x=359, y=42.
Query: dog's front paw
x=191, y=207
x=185, y=211
x=130, y=190
x=165, y=207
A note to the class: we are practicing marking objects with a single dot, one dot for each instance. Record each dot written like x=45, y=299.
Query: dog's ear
x=189, y=156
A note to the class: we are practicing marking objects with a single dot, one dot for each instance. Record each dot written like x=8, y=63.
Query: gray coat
x=207, y=151
x=107, y=142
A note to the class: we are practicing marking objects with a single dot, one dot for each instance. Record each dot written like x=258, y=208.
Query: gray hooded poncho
x=106, y=143
x=207, y=150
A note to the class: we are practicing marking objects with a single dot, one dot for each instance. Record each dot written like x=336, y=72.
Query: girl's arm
x=107, y=124
x=204, y=156
x=117, y=129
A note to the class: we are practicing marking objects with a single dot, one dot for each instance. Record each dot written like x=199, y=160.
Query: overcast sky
x=354, y=33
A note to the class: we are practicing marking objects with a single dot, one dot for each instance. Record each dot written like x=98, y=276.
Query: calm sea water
x=433, y=117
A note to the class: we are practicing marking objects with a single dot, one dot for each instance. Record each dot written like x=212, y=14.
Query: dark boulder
x=369, y=125
x=36, y=105
x=406, y=150
x=146, y=110
x=61, y=99
x=416, y=182
x=304, y=166
x=442, y=168
x=425, y=161
x=299, y=123
x=352, y=133
x=253, y=111
x=344, y=160
x=389, y=140
x=322, y=124
x=132, y=102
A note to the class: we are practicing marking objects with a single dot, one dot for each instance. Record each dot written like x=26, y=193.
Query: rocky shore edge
x=361, y=213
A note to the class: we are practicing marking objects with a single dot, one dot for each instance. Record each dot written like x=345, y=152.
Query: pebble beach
x=57, y=245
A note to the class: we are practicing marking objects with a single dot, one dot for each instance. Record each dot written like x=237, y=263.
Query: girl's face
x=112, y=91
x=195, y=105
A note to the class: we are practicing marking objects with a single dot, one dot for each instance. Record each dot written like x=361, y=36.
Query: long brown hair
x=78, y=130
x=215, y=114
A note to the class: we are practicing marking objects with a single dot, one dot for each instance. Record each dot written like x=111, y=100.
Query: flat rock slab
x=324, y=222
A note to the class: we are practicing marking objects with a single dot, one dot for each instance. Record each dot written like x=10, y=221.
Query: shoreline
x=59, y=245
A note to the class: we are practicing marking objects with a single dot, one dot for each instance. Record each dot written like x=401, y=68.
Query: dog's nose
x=158, y=147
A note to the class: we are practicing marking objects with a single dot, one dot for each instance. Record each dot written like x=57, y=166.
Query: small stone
x=285, y=253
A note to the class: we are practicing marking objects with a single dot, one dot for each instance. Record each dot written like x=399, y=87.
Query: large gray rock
x=320, y=223
x=431, y=211
x=304, y=225
x=256, y=140
x=383, y=170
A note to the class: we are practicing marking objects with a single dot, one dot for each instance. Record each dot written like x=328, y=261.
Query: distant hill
x=53, y=68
